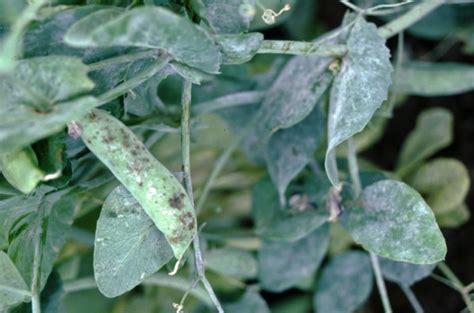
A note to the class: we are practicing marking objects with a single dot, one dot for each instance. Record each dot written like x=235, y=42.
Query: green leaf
x=82, y=30
x=433, y=132
x=345, y=283
x=128, y=246
x=359, y=89
x=38, y=230
x=437, y=25
x=228, y=16
x=13, y=289
x=283, y=265
x=295, y=221
x=41, y=83
x=294, y=94
x=250, y=302
x=290, y=150
x=144, y=100
x=23, y=126
x=454, y=218
x=151, y=27
x=232, y=262
x=20, y=169
x=405, y=273
x=42, y=96
x=238, y=49
x=394, y=221
x=443, y=182
x=434, y=79
x=52, y=158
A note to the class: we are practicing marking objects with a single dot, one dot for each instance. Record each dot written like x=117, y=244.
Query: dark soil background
x=433, y=295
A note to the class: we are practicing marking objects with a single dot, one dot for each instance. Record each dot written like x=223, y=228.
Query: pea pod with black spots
x=156, y=189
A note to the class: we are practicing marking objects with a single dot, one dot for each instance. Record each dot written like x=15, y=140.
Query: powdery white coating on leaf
x=295, y=92
x=358, y=90
x=10, y=280
x=345, y=283
x=35, y=100
x=434, y=79
x=45, y=81
x=405, y=273
x=224, y=16
x=21, y=125
x=282, y=265
x=128, y=245
x=155, y=28
x=290, y=150
x=79, y=33
x=156, y=189
x=395, y=222
x=251, y=302
x=238, y=49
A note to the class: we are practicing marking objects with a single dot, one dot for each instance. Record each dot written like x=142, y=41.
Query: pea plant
x=116, y=113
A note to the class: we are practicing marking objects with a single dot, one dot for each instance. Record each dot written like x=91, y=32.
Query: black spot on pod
x=176, y=201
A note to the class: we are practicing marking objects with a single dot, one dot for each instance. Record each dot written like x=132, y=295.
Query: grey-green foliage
x=290, y=150
x=40, y=98
x=434, y=79
x=20, y=169
x=241, y=48
x=13, y=289
x=433, y=132
x=128, y=246
x=405, y=273
x=232, y=262
x=282, y=265
x=345, y=283
x=292, y=222
x=250, y=302
x=394, y=221
x=358, y=90
x=455, y=218
x=50, y=298
x=10, y=9
x=144, y=100
x=37, y=228
x=227, y=16
x=443, y=182
x=293, y=94
x=151, y=27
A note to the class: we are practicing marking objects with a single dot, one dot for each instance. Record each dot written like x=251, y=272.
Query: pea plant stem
x=357, y=190
x=185, y=153
x=412, y=298
x=301, y=48
x=457, y=284
x=36, y=276
x=411, y=17
x=125, y=58
x=12, y=44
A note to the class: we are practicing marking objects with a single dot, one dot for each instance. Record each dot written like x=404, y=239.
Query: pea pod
x=20, y=169
x=156, y=189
